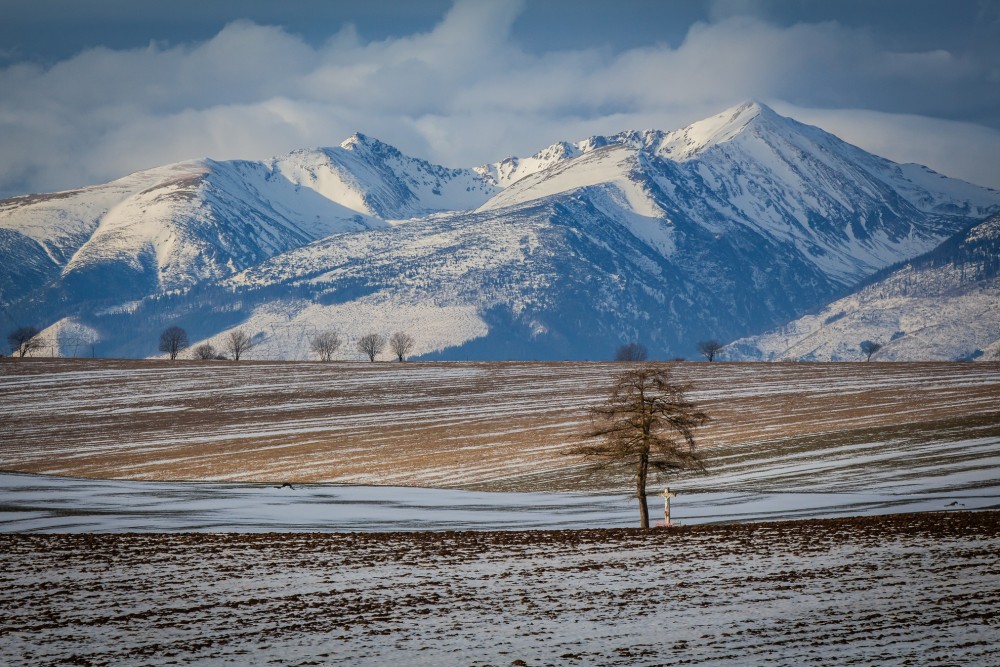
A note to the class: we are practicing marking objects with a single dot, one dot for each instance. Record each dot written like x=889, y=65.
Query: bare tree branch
x=631, y=352
x=401, y=344
x=204, y=352
x=238, y=343
x=173, y=340
x=25, y=340
x=710, y=349
x=868, y=348
x=325, y=344
x=371, y=345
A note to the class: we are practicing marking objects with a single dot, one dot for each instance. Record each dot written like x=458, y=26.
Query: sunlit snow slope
x=943, y=305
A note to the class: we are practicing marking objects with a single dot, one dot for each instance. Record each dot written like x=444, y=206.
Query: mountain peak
x=352, y=141
x=688, y=142
x=751, y=106
x=363, y=141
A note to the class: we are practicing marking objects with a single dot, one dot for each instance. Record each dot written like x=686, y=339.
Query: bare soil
x=888, y=590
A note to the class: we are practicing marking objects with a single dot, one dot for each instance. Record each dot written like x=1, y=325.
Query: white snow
x=911, y=592
x=512, y=169
x=685, y=144
x=284, y=329
x=609, y=167
x=69, y=338
x=33, y=503
x=941, y=312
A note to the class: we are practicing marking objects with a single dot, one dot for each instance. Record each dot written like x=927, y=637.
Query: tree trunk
x=640, y=490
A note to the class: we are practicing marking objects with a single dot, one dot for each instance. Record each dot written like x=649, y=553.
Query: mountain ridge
x=735, y=224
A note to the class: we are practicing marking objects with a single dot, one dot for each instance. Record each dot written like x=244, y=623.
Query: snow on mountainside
x=553, y=278
x=175, y=226
x=40, y=233
x=847, y=211
x=373, y=178
x=608, y=178
x=202, y=220
x=944, y=305
x=725, y=228
x=759, y=132
x=850, y=212
x=513, y=169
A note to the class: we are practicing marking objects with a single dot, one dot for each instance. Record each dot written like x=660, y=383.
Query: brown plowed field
x=475, y=425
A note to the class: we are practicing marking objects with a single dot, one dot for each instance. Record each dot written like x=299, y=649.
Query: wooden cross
x=667, y=495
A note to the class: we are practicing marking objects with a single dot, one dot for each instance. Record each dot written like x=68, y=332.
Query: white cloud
x=464, y=93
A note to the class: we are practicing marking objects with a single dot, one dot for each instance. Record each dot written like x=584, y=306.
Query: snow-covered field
x=33, y=503
x=237, y=568
x=900, y=590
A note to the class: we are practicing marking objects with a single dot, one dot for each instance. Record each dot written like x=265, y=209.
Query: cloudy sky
x=90, y=91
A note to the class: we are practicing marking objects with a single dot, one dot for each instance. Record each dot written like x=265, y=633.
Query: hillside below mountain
x=724, y=229
x=943, y=305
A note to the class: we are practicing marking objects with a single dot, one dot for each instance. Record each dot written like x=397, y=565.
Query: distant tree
x=371, y=345
x=204, y=352
x=631, y=352
x=238, y=343
x=25, y=340
x=868, y=348
x=647, y=422
x=401, y=345
x=325, y=344
x=710, y=348
x=173, y=340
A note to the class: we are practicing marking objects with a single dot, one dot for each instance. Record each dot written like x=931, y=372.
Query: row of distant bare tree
x=237, y=343
x=23, y=341
x=324, y=345
x=633, y=352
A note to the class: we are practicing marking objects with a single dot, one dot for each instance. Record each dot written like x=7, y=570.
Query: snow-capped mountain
x=944, y=305
x=847, y=211
x=723, y=229
x=164, y=229
x=175, y=226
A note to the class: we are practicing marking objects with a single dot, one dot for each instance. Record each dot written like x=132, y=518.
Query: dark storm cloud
x=481, y=83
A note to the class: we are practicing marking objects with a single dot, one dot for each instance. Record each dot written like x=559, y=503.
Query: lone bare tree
x=325, y=344
x=25, y=340
x=238, y=343
x=710, y=348
x=647, y=422
x=402, y=344
x=868, y=348
x=205, y=351
x=371, y=345
x=173, y=340
x=631, y=352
